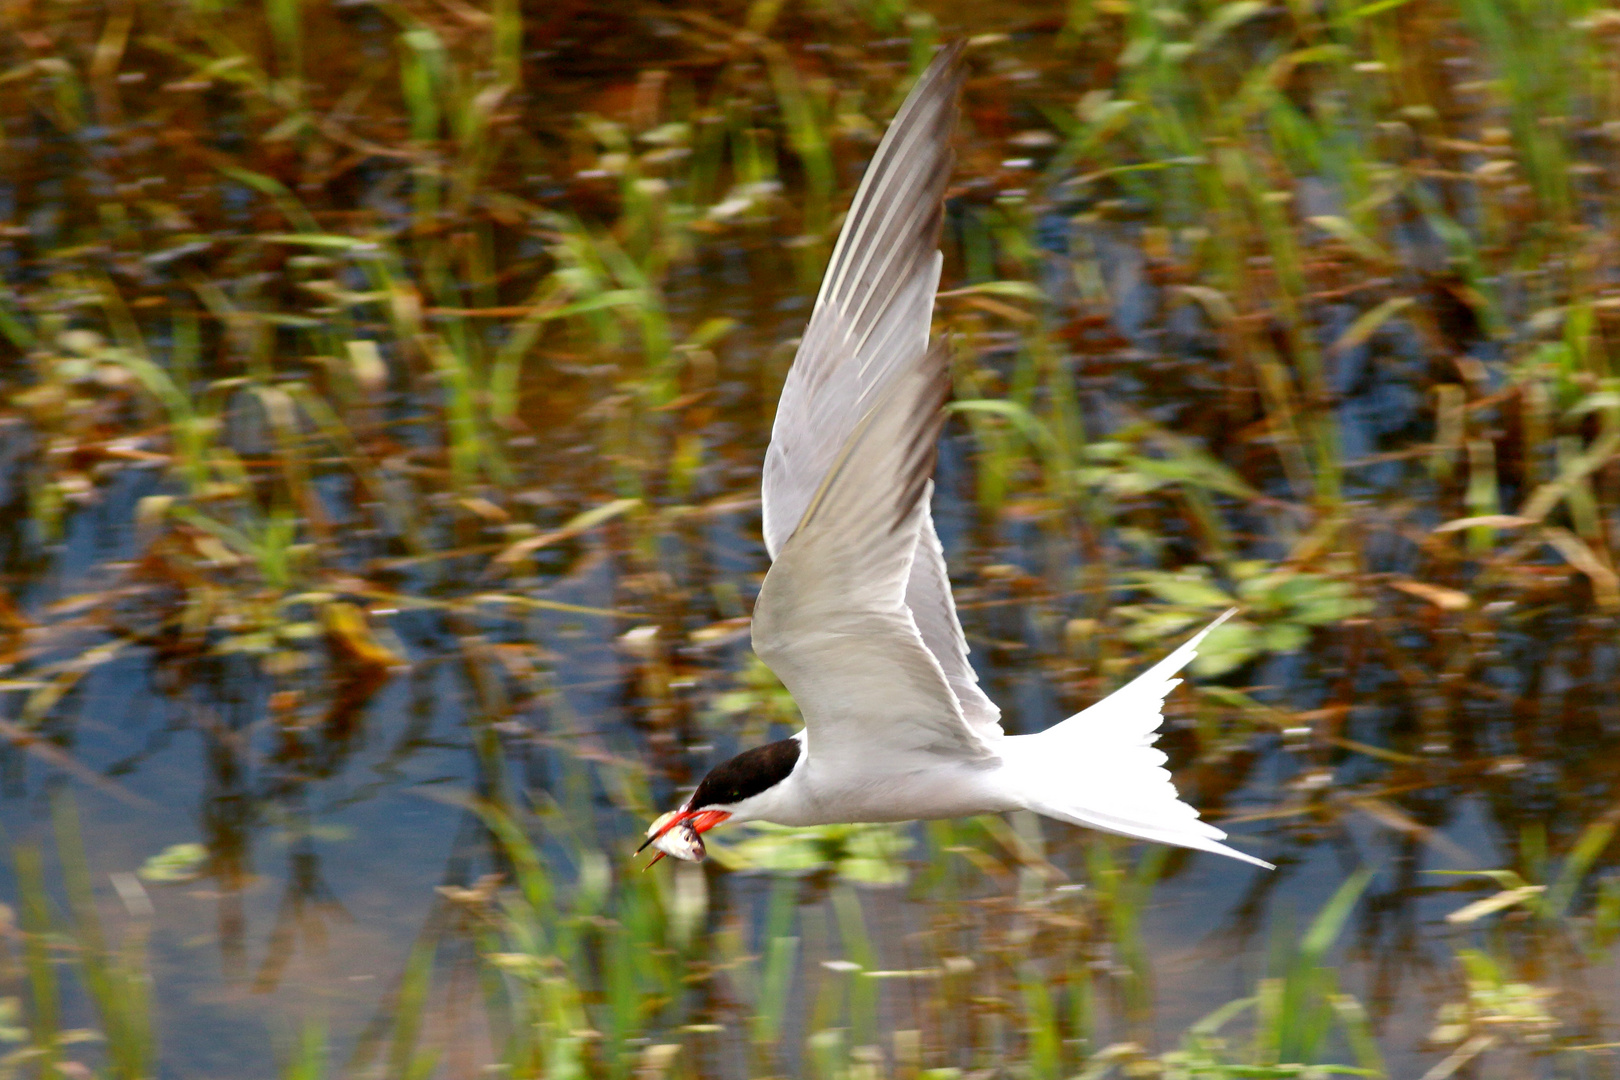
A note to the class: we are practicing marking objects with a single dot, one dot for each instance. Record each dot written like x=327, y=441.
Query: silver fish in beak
x=678, y=833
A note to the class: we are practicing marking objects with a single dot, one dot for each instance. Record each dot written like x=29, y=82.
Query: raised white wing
x=871, y=320
x=928, y=595
x=832, y=619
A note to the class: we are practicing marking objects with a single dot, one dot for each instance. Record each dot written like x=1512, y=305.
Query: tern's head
x=732, y=789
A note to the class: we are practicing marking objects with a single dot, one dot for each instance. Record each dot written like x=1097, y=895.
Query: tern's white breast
x=825, y=793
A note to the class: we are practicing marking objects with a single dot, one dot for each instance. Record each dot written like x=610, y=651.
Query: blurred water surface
x=387, y=387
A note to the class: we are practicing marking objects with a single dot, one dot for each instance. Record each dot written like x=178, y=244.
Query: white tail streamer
x=1099, y=768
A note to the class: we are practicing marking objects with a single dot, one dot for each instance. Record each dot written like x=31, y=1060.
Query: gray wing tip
x=870, y=306
x=898, y=208
x=911, y=407
x=933, y=372
x=938, y=89
x=947, y=62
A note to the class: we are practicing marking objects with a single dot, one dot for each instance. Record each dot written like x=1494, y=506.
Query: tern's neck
x=762, y=784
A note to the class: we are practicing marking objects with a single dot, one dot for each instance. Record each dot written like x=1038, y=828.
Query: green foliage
x=1494, y=1003
x=860, y=854
x=614, y=972
x=383, y=293
x=112, y=975
x=1278, y=609
x=1522, y=948
x=1295, y=1010
x=759, y=700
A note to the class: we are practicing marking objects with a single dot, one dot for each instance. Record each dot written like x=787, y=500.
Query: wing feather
x=871, y=320
x=831, y=619
x=876, y=303
x=928, y=595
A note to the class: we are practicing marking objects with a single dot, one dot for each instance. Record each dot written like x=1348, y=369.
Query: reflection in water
x=368, y=477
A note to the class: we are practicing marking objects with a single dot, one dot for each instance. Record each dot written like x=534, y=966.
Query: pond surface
x=315, y=651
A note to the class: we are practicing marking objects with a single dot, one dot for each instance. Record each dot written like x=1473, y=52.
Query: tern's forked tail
x=1099, y=768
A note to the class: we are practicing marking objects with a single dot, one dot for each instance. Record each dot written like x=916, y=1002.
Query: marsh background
x=386, y=383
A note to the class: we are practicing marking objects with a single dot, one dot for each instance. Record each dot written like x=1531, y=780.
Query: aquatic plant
x=345, y=341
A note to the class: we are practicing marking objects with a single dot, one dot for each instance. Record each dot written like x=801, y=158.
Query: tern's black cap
x=746, y=775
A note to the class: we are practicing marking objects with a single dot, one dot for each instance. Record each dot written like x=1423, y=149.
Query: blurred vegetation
x=341, y=338
x=604, y=975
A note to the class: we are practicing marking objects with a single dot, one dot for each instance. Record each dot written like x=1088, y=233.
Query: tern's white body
x=856, y=615
x=814, y=794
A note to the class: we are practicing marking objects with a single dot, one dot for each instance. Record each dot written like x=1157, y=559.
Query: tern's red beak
x=700, y=820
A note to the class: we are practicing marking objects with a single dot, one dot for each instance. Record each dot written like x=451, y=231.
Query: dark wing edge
x=875, y=306
x=832, y=621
